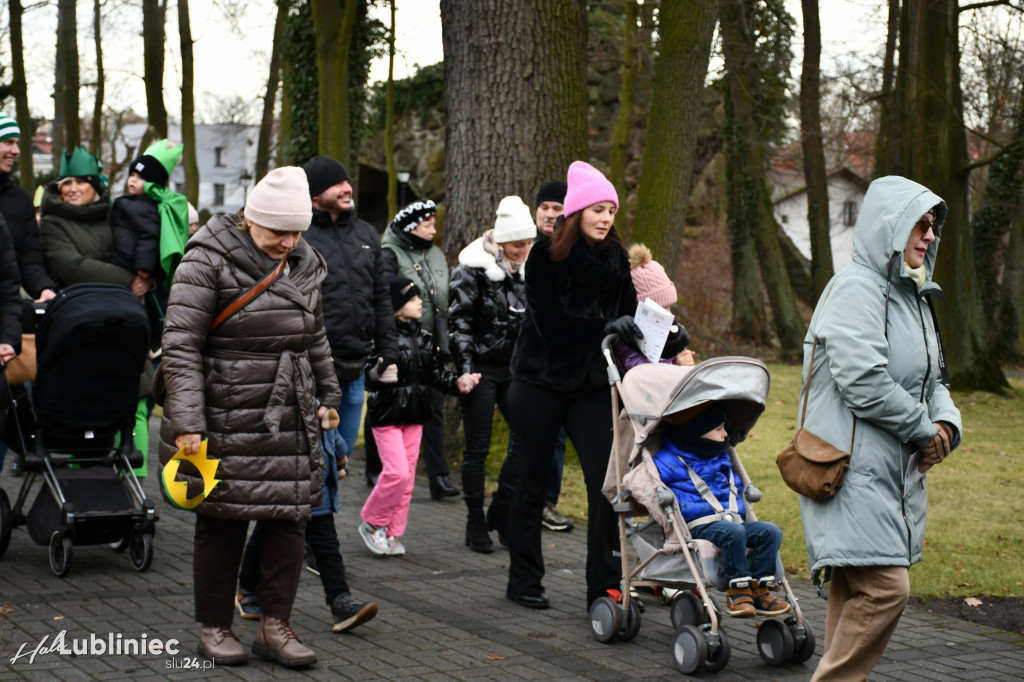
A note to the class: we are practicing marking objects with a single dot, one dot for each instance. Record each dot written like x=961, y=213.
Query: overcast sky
x=233, y=63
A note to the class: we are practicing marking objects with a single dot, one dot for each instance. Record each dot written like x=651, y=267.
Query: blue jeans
x=734, y=538
x=350, y=411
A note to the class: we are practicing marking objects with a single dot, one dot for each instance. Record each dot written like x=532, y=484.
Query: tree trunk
x=1010, y=316
x=333, y=22
x=992, y=227
x=933, y=127
x=686, y=29
x=748, y=181
x=67, y=79
x=96, y=136
x=389, y=119
x=624, y=121
x=515, y=104
x=27, y=177
x=815, y=172
x=153, y=15
x=270, y=98
x=887, y=147
x=190, y=161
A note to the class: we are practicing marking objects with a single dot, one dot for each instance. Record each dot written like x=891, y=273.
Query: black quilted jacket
x=419, y=367
x=486, y=310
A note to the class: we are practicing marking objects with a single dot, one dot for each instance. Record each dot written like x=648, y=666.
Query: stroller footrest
x=626, y=507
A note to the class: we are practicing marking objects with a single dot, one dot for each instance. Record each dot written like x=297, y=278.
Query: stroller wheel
x=140, y=549
x=605, y=619
x=719, y=650
x=803, y=640
x=689, y=650
x=687, y=609
x=774, y=642
x=60, y=554
x=6, y=522
x=630, y=622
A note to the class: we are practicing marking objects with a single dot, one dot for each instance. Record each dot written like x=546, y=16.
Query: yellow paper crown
x=177, y=491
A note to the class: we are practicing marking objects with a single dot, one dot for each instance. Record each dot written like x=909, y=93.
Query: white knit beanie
x=514, y=221
x=280, y=201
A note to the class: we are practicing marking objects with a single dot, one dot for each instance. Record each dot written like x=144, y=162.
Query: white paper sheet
x=912, y=475
x=655, y=323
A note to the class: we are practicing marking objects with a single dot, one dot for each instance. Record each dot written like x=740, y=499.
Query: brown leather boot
x=276, y=642
x=221, y=646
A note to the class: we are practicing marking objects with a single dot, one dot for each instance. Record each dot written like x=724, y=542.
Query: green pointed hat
x=158, y=161
x=79, y=163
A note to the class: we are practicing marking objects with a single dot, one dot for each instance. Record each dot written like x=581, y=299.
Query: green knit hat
x=8, y=127
x=79, y=163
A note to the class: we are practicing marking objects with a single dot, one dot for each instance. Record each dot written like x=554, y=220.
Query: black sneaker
x=552, y=520
x=311, y=561
x=348, y=613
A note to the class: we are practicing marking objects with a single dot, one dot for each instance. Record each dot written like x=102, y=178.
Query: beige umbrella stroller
x=664, y=554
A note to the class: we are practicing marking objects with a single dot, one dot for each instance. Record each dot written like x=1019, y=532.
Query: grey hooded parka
x=877, y=359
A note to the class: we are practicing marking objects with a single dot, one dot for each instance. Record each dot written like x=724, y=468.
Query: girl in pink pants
x=397, y=406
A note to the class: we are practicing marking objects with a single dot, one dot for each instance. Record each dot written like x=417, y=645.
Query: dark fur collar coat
x=568, y=304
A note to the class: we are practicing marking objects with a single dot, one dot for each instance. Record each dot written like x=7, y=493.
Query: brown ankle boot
x=221, y=646
x=275, y=641
x=739, y=602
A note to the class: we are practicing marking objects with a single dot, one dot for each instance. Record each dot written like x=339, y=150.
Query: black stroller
x=74, y=428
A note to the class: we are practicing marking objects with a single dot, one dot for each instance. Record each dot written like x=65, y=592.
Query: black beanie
x=150, y=169
x=323, y=172
x=412, y=215
x=402, y=291
x=552, y=191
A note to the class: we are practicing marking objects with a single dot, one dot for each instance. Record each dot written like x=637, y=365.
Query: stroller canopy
x=651, y=392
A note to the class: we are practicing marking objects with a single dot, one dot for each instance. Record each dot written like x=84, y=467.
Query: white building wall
x=228, y=173
x=792, y=215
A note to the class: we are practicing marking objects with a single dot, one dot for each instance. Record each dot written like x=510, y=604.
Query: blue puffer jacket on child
x=332, y=445
x=714, y=470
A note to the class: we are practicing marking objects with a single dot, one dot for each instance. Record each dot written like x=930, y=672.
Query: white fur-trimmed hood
x=481, y=254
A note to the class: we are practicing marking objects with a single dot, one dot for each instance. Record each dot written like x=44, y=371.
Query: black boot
x=476, y=528
x=497, y=513
x=440, y=487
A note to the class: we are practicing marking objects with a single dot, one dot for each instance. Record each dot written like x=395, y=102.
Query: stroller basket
x=103, y=510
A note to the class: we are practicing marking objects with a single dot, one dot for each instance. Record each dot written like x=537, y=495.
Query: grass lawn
x=974, y=544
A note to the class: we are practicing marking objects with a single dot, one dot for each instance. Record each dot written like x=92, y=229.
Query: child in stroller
x=694, y=462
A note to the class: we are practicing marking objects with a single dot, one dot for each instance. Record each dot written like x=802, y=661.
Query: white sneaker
x=375, y=537
x=395, y=547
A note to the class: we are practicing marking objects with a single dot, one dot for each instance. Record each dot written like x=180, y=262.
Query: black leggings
x=537, y=414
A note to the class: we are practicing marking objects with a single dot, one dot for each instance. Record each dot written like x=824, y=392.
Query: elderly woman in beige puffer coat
x=256, y=387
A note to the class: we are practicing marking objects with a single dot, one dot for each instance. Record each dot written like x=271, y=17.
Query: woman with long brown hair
x=578, y=289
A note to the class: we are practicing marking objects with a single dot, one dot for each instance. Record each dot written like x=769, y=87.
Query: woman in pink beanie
x=578, y=290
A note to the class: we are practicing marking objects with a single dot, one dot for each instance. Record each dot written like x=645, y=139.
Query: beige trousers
x=864, y=605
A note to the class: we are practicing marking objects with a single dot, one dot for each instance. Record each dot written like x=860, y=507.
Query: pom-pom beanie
x=649, y=278
x=280, y=201
x=513, y=222
x=587, y=186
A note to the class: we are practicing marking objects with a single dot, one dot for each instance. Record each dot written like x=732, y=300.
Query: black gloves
x=626, y=329
x=676, y=342
x=386, y=361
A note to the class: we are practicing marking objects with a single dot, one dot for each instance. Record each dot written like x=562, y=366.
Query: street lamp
x=246, y=178
x=403, y=180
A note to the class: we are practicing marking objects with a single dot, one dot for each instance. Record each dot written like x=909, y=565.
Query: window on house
x=218, y=195
x=849, y=213
x=785, y=218
x=219, y=157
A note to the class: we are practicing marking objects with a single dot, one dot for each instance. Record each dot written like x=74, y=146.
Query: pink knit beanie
x=649, y=278
x=587, y=186
x=280, y=201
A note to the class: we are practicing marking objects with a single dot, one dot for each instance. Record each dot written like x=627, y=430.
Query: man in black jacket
x=357, y=300
x=20, y=216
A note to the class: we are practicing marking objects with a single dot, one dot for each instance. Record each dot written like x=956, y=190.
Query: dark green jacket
x=427, y=268
x=77, y=241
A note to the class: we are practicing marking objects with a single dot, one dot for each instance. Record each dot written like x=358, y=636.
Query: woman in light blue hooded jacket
x=878, y=366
